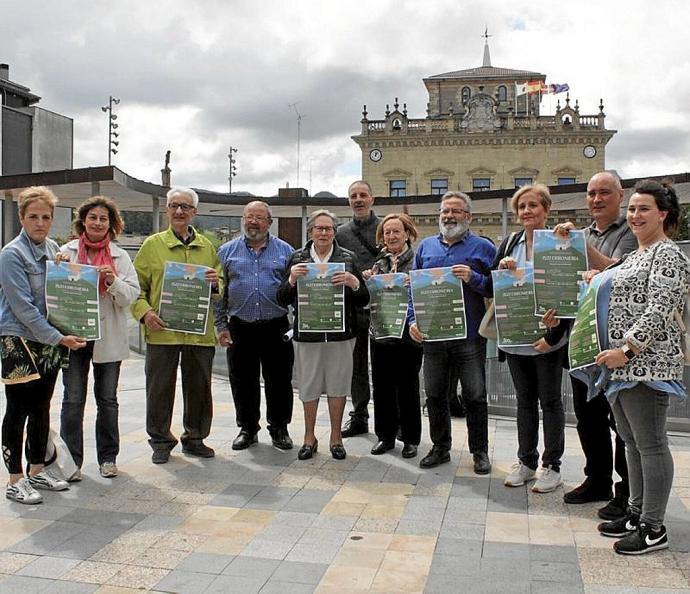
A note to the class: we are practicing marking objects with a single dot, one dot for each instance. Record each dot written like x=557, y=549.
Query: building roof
x=484, y=72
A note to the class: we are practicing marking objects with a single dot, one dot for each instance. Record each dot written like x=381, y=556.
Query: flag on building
x=520, y=89
x=535, y=86
x=556, y=88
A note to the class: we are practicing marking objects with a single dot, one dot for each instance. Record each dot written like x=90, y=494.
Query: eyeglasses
x=324, y=229
x=175, y=205
x=255, y=218
x=454, y=211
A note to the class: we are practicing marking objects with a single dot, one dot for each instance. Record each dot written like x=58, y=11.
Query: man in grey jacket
x=359, y=236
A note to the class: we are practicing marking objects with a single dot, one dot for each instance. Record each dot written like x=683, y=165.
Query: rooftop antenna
x=293, y=107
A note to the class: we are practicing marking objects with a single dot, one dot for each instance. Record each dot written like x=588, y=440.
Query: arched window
x=466, y=94
x=502, y=93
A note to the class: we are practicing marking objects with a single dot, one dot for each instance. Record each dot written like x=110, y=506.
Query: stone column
x=155, y=215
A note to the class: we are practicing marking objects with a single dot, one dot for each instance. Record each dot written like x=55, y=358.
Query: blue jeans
x=467, y=358
x=75, y=380
x=537, y=381
x=641, y=420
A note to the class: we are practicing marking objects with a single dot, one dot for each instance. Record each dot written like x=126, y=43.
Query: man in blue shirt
x=251, y=324
x=470, y=257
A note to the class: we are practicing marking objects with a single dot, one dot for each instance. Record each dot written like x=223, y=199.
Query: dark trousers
x=537, y=381
x=161, y=375
x=258, y=348
x=75, y=380
x=395, y=376
x=27, y=405
x=467, y=357
x=594, y=424
x=361, y=393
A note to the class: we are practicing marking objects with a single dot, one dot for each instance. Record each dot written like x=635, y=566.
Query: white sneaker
x=108, y=470
x=23, y=492
x=48, y=481
x=519, y=475
x=549, y=481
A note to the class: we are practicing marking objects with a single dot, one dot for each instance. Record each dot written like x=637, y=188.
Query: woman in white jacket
x=99, y=222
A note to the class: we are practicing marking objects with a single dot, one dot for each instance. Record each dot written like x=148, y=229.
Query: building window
x=466, y=94
x=566, y=181
x=502, y=93
x=523, y=181
x=398, y=188
x=481, y=184
x=439, y=187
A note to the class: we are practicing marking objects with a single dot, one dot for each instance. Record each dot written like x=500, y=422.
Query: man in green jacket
x=164, y=348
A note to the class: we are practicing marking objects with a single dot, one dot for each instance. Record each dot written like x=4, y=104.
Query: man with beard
x=251, y=324
x=359, y=236
x=470, y=257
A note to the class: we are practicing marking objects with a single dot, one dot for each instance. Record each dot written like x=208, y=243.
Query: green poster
x=185, y=298
x=439, y=304
x=320, y=303
x=72, y=299
x=584, y=344
x=516, y=323
x=558, y=267
x=388, y=304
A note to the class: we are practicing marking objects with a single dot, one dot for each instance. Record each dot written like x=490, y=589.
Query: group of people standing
x=254, y=281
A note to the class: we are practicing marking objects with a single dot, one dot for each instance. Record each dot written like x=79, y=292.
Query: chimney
x=5, y=71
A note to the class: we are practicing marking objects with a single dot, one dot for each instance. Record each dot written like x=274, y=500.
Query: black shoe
x=620, y=527
x=382, y=447
x=587, y=492
x=199, y=449
x=338, y=451
x=482, y=465
x=307, y=450
x=614, y=509
x=281, y=439
x=435, y=457
x=244, y=440
x=409, y=451
x=160, y=456
x=355, y=427
x=643, y=540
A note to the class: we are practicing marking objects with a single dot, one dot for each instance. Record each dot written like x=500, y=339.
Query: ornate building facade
x=479, y=135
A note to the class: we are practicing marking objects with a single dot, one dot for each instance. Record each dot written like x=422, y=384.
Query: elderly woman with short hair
x=324, y=360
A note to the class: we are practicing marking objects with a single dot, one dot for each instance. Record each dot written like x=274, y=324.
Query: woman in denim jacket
x=31, y=350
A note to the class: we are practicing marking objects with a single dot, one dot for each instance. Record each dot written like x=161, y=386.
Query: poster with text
x=185, y=298
x=320, y=303
x=584, y=344
x=558, y=266
x=388, y=304
x=439, y=304
x=516, y=324
x=72, y=299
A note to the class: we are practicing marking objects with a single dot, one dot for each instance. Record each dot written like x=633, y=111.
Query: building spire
x=487, y=56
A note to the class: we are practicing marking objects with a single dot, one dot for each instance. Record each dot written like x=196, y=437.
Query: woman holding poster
x=31, y=350
x=536, y=366
x=98, y=223
x=395, y=362
x=645, y=358
x=323, y=355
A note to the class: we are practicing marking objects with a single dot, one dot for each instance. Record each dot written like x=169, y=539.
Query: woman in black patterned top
x=645, y=360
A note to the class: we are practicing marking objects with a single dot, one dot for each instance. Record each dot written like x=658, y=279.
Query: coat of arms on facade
x=480, y=115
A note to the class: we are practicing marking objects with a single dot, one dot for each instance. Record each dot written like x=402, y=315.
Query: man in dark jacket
x=359, y=236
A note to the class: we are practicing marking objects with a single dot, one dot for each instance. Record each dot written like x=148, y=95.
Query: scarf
x=101, y=258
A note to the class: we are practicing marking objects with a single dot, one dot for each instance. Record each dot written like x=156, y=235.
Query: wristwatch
x=627, y=351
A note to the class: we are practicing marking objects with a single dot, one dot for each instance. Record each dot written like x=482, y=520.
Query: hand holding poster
x=558, y=266
x=320, y=303
x=185, y=298
x=388, y=304
x=439, y=304
x=516, y=323
x=72, y=299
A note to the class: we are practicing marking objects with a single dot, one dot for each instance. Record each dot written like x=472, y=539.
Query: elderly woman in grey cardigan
x=645, y=360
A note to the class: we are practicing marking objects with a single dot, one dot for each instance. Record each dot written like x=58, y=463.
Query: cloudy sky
x=198, y=76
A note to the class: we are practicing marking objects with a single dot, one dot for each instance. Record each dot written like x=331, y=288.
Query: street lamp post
x=113, y=135
x=232, y=170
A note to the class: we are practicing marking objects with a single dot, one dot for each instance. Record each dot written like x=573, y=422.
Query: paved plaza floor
x=262, y=521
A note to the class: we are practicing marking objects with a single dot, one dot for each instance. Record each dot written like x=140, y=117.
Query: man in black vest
x=359, y=236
